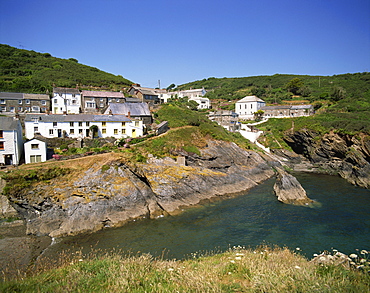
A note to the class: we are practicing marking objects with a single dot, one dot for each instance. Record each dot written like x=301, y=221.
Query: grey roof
x=9, y=123
x=300, y=107
x=132, y=100
x=135, y=109
x=66, y=90
x=76, y=118
x=279, y=107
x=17, y=96
x=102, y=94
x=36, y=96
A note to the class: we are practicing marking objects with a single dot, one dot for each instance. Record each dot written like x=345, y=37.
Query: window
x=90, y=104
x=73, y=95
x=20, y=109
x=87, y=124
x=1, y=145
x=51, y=131
x=101, y=100
x=71, y=131
x=55, y=124
x=43, y=102
x=35, y=129
x=80, y=131
x=34, y=146
x=104, y=124
x=12, y=109
x=28, y=109
x=71, y=124
x=115, y=131
x=101, y=105
x=1, y=134
x=20, y=102
x=123, y=124
x=35, y=158
x=27, y=101
x=74, y=102
x=123, y=131
x=35, y=120
x=2, y=101
x=80, y=124
x=137, y=123
x=55, y=101
x=104, y=131
x=117, y=100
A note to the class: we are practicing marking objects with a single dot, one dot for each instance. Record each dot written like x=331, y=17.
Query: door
x=8, y=159
x=59, y=133
x=133, y=133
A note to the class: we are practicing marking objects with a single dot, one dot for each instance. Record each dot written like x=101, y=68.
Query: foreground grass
x=237, y=270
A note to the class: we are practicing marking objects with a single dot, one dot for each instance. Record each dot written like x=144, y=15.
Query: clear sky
x=178, y=41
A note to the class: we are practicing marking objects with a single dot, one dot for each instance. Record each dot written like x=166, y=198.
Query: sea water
x=340, y=220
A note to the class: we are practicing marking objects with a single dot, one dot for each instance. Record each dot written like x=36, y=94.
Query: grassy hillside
x=237, y=270
x=279, y=87
x=32, y=72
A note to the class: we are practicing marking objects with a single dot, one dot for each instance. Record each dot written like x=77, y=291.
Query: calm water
x=340, y=221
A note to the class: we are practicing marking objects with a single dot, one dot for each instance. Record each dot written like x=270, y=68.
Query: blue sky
x=181, y=41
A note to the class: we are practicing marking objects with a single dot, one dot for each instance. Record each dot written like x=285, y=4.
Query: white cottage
x=66, y=100
x=247, y=106
x=203, y=103
x=81, y=126
x=11, y=141
x=35, y=151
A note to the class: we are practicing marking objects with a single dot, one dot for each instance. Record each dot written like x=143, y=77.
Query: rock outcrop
x=333, y=153
x=289, y=190
x=109, y=195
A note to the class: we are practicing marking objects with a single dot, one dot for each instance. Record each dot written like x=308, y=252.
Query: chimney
x=64, y=113
x=129, y=115
x=110, y=113
x=16, y=117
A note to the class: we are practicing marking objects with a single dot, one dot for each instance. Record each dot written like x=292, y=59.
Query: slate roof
x=36, y=96
x=300, y=107
x=17, y=96
x=8, y=123
x=280, y=107
x=250, y=99
x=135, y=109
x=66, y=90
x=99, y=94
x=76, y=118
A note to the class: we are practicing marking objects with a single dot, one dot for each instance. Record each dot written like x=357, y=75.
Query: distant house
x=11, y=141
x=35, y=151
x=82, y=126
x=66, y=100
x=21, y=102
x=227, y=119
x=247, y=106
x=97, y=101
x=193, y=93
x=145, y=95
x=203, y=103
x=138, y=111
x=287, y=111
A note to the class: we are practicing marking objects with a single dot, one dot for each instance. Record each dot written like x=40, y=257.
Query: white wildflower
x=232, y=261
x=297, y=267
x=353, y=255
x=170, y=269
x=298, y=249
x=80, y=259
x=364, y=251
x=238, y=258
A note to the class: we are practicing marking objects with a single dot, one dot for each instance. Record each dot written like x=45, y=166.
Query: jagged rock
x=111, y=195
x=289, y=190
x=6, y=210
x=333, y=153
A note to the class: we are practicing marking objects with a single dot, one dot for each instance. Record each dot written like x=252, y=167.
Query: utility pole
x=159, y=83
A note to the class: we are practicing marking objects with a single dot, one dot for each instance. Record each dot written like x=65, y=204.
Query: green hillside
x=32, y=72
x=278, y=87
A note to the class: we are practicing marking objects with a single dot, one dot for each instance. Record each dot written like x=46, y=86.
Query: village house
x=145, y=95
x=21, y=102
x=11, y=140
x=136, y=111
x=97, y=101
x=35, y=151
x=82, y=126
x=287, y=111
x=227, y=119
x=66, y=100
x=247, y=106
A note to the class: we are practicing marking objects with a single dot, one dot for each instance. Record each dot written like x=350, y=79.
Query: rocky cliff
x=333, y=153
x=110, y=192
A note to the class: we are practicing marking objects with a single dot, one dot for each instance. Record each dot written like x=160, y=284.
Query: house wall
x=13, y=145
x=203, y=103
x=29, y=151
x=31, y=103
x=66, y=102
x=246, y=109
x=82, y=129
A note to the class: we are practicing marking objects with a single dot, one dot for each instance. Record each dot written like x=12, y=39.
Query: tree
x=258, y=115
x=170, y=87
x=294, y=85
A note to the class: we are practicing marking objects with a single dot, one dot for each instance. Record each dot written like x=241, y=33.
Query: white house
x=66, y=100
x=203, y=103
x=193, y=93
x=81, y=126
x=11, y=141
x=247, y=106
x=35, y=151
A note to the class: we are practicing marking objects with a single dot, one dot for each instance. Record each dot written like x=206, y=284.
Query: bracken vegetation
x=31, y=72
x=264, y=269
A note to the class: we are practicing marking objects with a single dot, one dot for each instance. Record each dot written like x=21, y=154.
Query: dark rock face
x=348, y=156
x=111, y=196
x=289, y=190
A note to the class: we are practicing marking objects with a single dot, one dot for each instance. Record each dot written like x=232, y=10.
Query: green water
x=340, y=221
